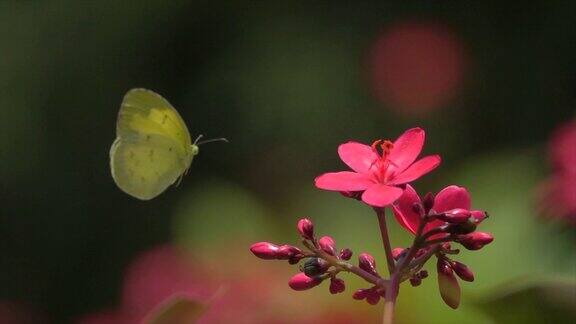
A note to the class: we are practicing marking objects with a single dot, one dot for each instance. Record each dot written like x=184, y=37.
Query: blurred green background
x=285, y=82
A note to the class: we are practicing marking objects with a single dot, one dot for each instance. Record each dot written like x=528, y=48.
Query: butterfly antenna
x=220, y=139
x=198, y=138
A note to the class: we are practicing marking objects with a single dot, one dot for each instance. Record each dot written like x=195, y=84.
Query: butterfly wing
x=145, y=112
x=144, y=166
x=153, y=146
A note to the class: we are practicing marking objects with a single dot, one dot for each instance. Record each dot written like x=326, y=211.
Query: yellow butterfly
x=153, y=147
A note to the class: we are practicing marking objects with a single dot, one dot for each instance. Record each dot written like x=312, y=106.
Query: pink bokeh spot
x=416, y=67
x=155, y=276
x=380, y=176
x=557, y=197
x=160, y=273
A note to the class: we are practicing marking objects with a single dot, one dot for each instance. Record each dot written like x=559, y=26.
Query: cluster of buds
x=320, y=262
x=373, y=294
x=435, y=227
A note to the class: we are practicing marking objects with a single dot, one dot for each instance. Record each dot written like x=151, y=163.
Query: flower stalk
x=381, y=213
x=380, y=178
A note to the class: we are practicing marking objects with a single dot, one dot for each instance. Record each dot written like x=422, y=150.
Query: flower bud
x=423, y=274
x=479, y=216
x=463, y=228
x=428, y=202
x=337, y=285
x=346, y=254
x=286, y=252
x=397, y=253
x=360, y=294
x=301, y=281
x=455, y=216
x=367, y=263
x=475, y=240
x=448, y=284
x=314, y=266
x=306, y=228
x=264, y=250
x=463, y=271
x=328, y=245
x=415, y=281
x=372, y=297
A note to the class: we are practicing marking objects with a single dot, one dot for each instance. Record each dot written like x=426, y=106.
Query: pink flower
x=380, y=176
x=448, y=199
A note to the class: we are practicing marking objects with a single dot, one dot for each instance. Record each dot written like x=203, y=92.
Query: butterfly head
x=194, y=149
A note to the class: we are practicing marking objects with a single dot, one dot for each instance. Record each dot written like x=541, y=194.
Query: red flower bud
x=337, y=285
x=455, y=216
x=479, y=216
x=367, y=263
x=301, y=281
x=475, y=240
x=286, y=252
x=346, y=254
x=428, y=201
x=415, y=281
x=328, y=245
x=372, y=297
x=463, y=271
x=397, y=253
x=448, y=284
x=360, y=294
x=462, y=228
x=423, y=274
x=264, y=250
x=306, y=228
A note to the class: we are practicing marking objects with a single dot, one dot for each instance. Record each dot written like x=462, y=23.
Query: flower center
x=383, y=163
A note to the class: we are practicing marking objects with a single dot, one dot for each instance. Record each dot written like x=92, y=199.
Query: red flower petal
x=343, y=181
x=452, y=197
x=357, y=156
x=418, y=169
x=404, y=210
x=379, y=195
x=407, y=148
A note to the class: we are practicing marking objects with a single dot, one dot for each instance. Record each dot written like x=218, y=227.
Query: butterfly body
x=153, y=148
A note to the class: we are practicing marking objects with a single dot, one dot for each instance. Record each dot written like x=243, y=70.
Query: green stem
x=390, y=299
x=381, y=213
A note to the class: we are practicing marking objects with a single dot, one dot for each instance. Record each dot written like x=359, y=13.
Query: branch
x=346, y=266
